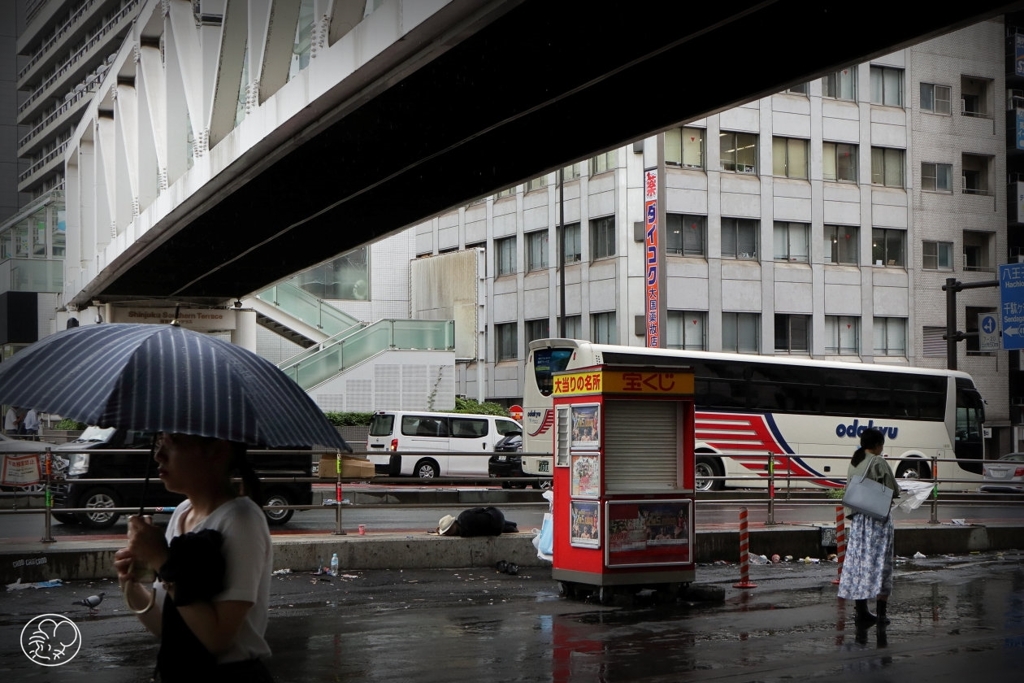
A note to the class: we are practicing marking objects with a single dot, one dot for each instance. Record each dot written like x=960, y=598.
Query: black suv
x=81, y=464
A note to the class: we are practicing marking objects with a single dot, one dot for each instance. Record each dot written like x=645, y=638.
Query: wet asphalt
x=953, y=617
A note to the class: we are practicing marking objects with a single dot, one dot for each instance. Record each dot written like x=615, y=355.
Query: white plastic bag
x=914, y=493
x=544, y=539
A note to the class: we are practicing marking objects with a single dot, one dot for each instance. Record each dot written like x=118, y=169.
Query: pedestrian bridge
x=236, y=142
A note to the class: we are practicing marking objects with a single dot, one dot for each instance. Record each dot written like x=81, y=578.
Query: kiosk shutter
x=641, y=445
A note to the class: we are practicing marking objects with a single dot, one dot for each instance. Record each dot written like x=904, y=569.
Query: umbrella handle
x=124, y=592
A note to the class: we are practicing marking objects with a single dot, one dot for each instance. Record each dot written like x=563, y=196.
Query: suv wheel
x=98, y=499
x=65, y=518
x=278, y=517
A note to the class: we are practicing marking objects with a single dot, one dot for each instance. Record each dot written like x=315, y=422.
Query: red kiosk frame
x=624, y=480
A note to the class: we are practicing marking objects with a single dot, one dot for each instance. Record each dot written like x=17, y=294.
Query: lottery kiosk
x=623, y=480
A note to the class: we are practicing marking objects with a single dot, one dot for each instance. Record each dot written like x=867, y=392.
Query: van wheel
x=707, y=467
x=426, y=469
x=98, y=499
x=278, y=517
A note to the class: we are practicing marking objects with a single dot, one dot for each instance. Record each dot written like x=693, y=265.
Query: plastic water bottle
x=334, y=564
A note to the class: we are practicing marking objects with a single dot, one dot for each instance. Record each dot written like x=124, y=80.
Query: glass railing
x=32, y=275
x=302, y=305
x=330, y=359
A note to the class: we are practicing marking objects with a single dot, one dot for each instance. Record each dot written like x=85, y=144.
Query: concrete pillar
x=244, y=334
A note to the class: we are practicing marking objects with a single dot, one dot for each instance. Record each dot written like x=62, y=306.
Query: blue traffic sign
x=1011, y=296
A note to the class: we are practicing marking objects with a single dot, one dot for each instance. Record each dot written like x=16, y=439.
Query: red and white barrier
x=744, y=553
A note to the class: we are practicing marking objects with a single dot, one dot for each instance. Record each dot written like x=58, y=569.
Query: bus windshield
x=546, y=362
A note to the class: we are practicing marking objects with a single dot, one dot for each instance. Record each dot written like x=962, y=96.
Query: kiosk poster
x=648, y=533
x=585, y=529
x=586, y=476
x=586, y=427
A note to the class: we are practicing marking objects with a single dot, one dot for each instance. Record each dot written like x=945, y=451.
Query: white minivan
x=434, y=435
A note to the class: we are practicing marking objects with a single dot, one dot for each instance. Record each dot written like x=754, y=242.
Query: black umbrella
x=164, y=378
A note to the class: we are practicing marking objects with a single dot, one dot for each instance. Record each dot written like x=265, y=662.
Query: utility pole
x=952, y=335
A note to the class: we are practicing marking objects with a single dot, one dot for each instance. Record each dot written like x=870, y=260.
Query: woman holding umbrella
x=214, y=564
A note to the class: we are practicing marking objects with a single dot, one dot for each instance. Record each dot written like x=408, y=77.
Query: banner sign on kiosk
x=624, y=480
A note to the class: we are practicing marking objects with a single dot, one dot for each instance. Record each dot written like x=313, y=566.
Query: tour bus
x=748, y=407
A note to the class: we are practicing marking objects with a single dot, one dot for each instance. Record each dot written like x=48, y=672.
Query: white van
x=408, y=431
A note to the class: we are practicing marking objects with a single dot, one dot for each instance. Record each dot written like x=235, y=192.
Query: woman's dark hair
x=869, y=439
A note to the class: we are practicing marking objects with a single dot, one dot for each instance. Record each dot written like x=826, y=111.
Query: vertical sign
x=1020, y=203
x=1018, y=53
x=1011, y=296
x=651, y=251
x=1020, y=127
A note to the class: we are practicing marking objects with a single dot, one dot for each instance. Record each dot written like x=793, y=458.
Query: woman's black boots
x=882, y=607
x=862, y=617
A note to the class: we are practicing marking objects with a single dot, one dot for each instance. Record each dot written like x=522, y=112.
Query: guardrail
x=792, y=492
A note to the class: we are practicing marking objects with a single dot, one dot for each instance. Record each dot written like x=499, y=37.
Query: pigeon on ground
x=92, y=602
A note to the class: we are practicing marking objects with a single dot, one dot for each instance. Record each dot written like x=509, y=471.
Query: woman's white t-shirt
x=249, y=559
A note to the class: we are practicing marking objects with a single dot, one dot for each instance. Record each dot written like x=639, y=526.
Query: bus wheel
x=914, y=469
x=707, y=467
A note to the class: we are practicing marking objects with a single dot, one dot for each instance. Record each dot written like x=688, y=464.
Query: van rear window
x=382, y=425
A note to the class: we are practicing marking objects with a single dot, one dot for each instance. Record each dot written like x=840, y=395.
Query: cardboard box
x=351, y=467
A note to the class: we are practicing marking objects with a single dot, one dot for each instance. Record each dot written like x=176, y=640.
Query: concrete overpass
x=418, y=107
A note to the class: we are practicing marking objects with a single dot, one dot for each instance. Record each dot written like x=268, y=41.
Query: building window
x=798, y=89
x=602, y=328
x=603, y=163
x=506, y=248
x=536, y=329
x=934, y=346
x=976, y=171
x=937, y=255
x=740, y=332
x=936, y=177
x=977, y=250
x=842, y=85
x=738, y=152
x=789, y=157
x=571, y=172
x=572, y=244
x=792, y=241
x=507, y=192
x=739, y=238
x=890, y=336
x=686, y=235
x=573, y=327
x=971, y=314
x=792, y=333
x=841, y=244
x=887, y=247
x=887, y=166
x=936, y=98
x=842, y=335
x=687, y=330
x=685, y=147
x=887, y=86
x=975, y=96
x=839, y=162
x=507, y=341
x=537, y=183
x=602, y=237
x=537, y=250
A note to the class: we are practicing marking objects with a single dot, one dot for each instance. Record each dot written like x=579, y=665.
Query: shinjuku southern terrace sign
x=1011, y=296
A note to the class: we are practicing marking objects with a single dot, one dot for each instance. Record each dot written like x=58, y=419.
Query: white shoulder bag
x=868, y=497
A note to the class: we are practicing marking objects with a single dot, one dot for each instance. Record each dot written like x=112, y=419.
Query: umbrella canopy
x=165, y=378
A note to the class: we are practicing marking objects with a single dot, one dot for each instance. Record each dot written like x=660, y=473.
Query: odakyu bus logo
x=856, y=429
x=51, y=640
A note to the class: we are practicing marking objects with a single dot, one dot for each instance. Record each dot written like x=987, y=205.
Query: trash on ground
x=18, y=585
x=919, y=555
x=959, y=521
x=279, y=572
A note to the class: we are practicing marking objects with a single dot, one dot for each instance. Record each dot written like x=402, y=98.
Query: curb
x=90, y=560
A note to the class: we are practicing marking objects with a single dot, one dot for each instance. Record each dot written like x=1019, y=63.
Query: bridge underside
x=535, y=87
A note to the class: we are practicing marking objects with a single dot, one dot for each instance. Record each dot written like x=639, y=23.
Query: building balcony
x=57, y=121
x=67, y=29
x=50, y=164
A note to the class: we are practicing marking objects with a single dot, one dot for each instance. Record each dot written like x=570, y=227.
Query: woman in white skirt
x=867, y=567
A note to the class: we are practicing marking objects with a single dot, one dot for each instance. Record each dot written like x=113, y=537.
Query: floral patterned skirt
x=867, y=567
